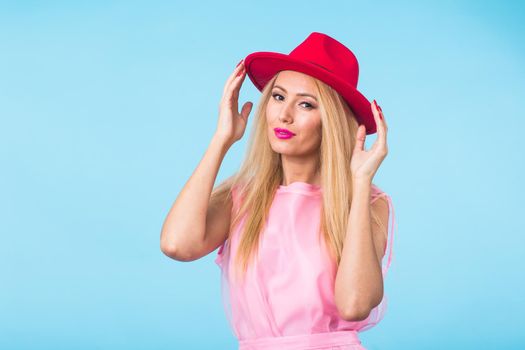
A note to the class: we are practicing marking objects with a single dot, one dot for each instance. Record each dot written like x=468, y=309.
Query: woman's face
x=294, y=106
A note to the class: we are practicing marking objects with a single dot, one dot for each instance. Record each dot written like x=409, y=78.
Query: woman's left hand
x=364, y=164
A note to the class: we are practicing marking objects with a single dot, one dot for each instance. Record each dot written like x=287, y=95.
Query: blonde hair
x=261, y=174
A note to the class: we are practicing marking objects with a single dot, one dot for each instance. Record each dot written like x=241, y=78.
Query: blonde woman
x=303, y=234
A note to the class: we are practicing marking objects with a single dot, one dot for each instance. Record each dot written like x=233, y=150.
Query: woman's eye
x=309, y=106
x=276, y=95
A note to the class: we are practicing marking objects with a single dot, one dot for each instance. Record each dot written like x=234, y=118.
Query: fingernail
x=239, y=63
x=240, y=72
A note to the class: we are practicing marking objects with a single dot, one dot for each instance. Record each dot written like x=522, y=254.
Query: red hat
x=321, y=57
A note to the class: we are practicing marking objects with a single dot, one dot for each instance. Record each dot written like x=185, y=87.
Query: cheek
x=271, y=111
x=313, y=129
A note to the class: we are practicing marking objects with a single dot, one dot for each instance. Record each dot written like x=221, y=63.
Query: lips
x=283, y=132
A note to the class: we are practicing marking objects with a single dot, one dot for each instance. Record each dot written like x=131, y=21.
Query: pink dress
x=287, y=300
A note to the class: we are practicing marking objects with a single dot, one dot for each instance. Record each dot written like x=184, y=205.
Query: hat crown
x=329, y=54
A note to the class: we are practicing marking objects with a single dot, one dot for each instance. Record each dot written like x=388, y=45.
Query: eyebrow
x=299, y=94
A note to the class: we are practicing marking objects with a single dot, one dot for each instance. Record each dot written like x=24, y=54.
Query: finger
x=375, y=109
x=234, y=75
x=246, y=109
x=234, y=83
x=380, y=110
x=383, y=123
x=233, y=90
x=240, y=67
x=231, y=79
x=383, y=117
x=360, y=138
x=380, y=124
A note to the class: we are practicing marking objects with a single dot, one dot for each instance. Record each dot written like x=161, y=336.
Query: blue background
x=107, y=107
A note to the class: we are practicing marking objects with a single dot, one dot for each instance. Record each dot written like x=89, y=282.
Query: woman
x=303, y=232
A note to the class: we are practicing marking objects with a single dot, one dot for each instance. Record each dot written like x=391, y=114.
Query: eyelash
x=310, y=107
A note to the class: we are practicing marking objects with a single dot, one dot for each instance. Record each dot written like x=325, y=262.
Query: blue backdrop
x=107, y=107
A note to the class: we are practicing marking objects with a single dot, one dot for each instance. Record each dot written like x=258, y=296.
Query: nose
x=286, y=114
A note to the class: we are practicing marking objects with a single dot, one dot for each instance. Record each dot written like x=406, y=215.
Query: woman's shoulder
x=377, y=192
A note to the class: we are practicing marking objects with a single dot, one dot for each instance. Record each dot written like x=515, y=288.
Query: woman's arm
x=192, y=227
x=184, y=229
x=359, y=280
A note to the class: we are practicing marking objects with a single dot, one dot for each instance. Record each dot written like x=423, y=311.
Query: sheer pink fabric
x=287, y=299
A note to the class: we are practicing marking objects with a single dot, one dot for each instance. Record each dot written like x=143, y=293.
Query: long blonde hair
x=261, y=174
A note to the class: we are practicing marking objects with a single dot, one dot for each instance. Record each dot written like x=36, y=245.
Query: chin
x=285, y=152
x=280, y=148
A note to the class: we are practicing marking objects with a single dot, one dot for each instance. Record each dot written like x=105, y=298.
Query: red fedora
x=321, y=57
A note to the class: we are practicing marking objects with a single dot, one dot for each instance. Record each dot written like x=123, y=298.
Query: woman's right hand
x=231, y=124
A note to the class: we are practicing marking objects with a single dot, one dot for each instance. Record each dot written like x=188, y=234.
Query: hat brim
x=262, y=66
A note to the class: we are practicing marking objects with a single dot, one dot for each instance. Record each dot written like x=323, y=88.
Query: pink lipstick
x=283, y=133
